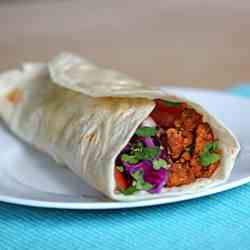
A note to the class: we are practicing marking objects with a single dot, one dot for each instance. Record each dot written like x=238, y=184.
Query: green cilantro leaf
x=137, y=147
x=209, y=155
x=131, y=159
x=147, y=186
x=148, y=153
x=146, y=131
x=138, y=175
x=209, y=158
x=120, y=168
x=129, y=191
x=140, y=184
x=172, y=104
x=215, y=145
x=157, y=164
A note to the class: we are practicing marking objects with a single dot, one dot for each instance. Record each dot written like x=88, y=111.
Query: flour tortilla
x=83, y=116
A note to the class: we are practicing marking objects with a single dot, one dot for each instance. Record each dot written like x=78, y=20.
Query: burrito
x=124, y=138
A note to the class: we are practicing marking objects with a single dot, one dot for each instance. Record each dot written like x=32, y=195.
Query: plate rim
x=110, y=205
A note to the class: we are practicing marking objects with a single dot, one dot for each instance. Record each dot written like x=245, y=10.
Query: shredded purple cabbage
x=163, y=155
x=148, y=142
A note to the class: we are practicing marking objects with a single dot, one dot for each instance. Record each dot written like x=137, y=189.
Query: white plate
x=30, y=178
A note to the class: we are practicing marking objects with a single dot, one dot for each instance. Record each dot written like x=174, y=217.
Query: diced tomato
x=121, y=181
x=165, y=116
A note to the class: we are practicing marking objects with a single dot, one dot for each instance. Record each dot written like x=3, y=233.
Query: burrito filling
x=171, y=148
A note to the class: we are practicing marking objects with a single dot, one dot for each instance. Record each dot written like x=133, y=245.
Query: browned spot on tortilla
x=110, y=103
x=15, y=96
x=89, y=137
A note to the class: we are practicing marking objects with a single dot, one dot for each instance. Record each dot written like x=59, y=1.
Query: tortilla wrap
x=83, y=116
